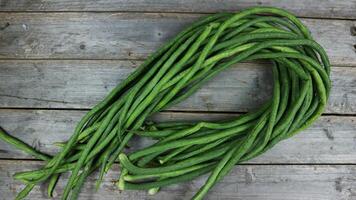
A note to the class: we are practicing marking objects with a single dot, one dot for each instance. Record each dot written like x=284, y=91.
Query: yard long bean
x=186, y=150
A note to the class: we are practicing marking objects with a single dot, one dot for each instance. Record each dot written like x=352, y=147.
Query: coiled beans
x=186, y=150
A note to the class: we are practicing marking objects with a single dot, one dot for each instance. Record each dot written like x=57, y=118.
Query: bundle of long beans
x=186, y=150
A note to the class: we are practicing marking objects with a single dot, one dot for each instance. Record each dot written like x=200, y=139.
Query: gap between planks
x=232, y=113
x=155, y=12
x=240, y=164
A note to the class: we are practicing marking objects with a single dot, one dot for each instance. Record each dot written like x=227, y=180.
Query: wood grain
x=247, y=182
x=67, y=55
x=303, y=8
x=129, y=35
x=330, y=140
x=82, y=84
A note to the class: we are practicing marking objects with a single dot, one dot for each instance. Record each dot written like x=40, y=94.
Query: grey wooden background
x=58, y=58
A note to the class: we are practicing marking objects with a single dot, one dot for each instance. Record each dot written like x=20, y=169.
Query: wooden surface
x=63, y=35
x=58, y=58
x=67, y=84
x=302, y=8
x=330, y=140
x=246, y=182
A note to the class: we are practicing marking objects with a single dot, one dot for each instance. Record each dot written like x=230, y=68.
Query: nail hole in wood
x=353, y=30
x=82, y=46
x=7, y=24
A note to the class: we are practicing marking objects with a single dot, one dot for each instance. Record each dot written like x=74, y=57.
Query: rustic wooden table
x=59, y=58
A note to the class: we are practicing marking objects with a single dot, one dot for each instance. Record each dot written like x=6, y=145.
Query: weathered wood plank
x=247, y=182
x=82, y=84
x=128, y=35
x=330, y=140
x=304, y=8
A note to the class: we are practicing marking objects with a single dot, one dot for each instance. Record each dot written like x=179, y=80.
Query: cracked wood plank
x=247, y=182
x=82, y=84
x=330, y=140
x=100, y=35
x=302, y=8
